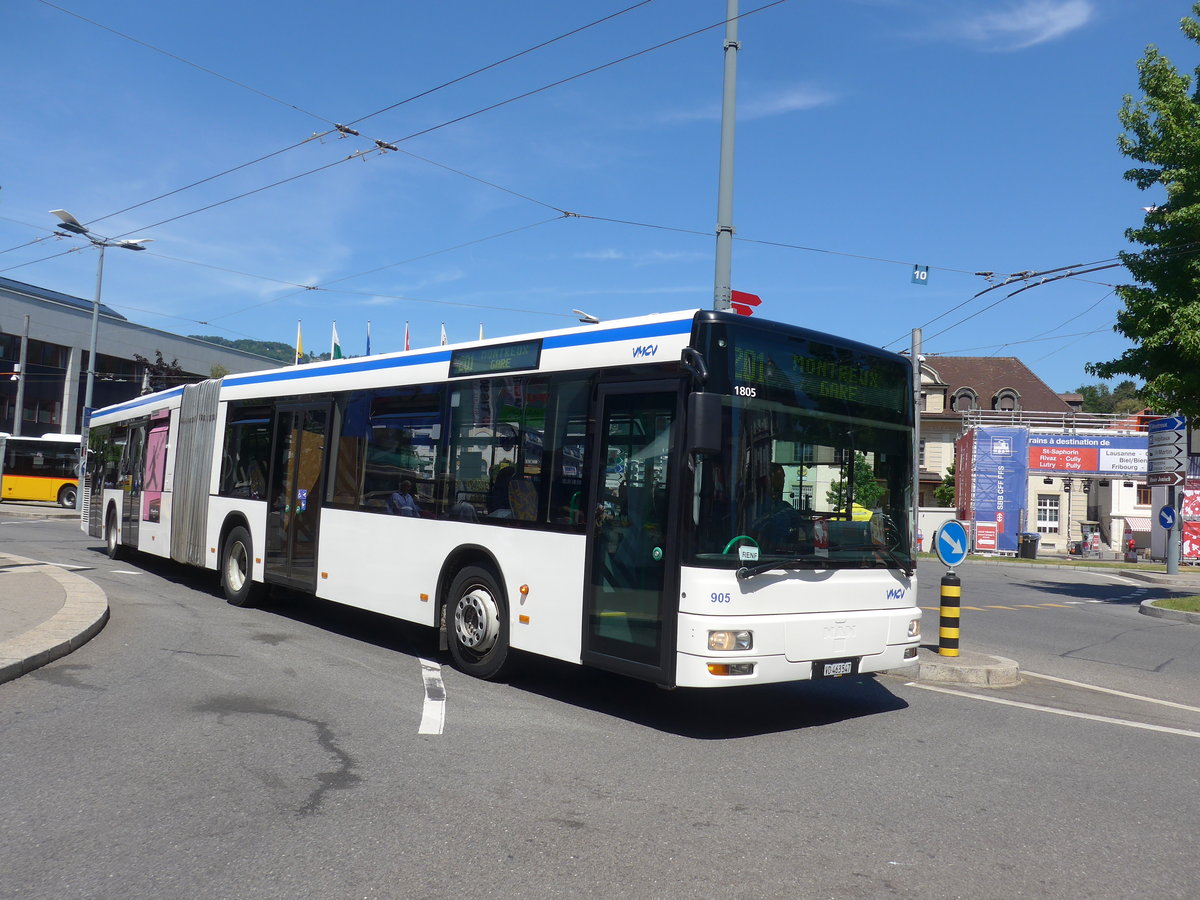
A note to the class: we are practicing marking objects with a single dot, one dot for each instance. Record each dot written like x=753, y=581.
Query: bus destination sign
x=498, y=358
x=854, y=378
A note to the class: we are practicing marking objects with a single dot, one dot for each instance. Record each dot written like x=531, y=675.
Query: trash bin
x=1027, y=544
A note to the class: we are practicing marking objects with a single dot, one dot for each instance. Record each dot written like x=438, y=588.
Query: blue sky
x=963, y=135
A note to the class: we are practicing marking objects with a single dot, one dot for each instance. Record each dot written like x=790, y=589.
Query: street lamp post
x=73, y=226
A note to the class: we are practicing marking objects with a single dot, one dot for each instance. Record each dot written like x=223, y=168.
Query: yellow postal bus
x=40, y=468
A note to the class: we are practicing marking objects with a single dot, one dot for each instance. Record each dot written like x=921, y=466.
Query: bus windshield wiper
x=794, y=563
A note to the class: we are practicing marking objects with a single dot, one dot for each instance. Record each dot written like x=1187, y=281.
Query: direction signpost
x=1167, y=465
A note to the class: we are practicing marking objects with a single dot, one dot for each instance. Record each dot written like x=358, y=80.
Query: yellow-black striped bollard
x=948, y=632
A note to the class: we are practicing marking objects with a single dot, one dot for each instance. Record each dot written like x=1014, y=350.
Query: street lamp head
x=135, y=244
x=69, y=222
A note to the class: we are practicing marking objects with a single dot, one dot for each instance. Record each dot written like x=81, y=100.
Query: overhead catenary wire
x=376, y=150
x=334, y=126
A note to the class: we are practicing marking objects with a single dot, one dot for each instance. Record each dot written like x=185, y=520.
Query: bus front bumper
x=796, y=647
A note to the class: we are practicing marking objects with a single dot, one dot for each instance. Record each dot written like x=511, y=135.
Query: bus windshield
x=816, y=458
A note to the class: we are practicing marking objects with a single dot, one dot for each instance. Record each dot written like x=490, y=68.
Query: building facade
x=52, y=383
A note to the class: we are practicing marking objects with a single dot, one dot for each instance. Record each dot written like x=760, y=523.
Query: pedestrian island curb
x=969, y=667
x=84, y=612
x=1147, y=608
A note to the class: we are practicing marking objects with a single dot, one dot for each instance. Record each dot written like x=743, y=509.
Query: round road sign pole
x=948, y=633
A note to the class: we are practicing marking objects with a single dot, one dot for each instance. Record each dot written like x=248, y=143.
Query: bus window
x=565, y=452
x=247, y=452
x=497, y=429
x=403, y=435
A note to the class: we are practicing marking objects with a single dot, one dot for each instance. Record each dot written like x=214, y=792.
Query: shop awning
x=1138, y=523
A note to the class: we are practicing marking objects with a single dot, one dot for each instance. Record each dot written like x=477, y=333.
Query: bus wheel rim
x=477, y=620
x=235, y=567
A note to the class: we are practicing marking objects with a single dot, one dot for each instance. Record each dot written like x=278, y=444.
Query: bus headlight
x=730, y=640
x=914, y=628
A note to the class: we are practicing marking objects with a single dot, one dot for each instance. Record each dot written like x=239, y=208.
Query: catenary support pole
x=1173, y=533
x=22, y=374
x=948, y=631
x=916, y=485
x=722, y=287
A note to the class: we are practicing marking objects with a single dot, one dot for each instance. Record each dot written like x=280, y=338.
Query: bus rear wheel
x=112, y=535
x=237, y=571
x=477, y=623
x=66, y=496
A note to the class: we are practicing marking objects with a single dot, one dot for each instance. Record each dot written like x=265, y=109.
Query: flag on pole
x=368, y=337
x=335, y=352
x=299, y=344
x=444, y=341
x=406, y=347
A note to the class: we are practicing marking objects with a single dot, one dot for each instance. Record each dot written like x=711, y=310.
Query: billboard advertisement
x=1089, y=454
x=962, y=475
x=1000, y=467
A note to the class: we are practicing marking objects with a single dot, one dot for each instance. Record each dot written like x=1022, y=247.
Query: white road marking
x=124, y=572
x=433, y=714
x=1115, y=693
x=1057, y=712
x=1121, y=578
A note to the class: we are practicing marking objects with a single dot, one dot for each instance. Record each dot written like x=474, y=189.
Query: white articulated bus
x=696, y=499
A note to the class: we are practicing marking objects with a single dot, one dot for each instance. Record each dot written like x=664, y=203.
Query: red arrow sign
x=742, y=303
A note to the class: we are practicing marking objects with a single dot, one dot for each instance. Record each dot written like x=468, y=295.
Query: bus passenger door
x=132, y=475
x=294, y=495
x=629, y=605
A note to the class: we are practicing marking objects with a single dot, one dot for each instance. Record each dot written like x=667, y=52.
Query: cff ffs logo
x=645, y=350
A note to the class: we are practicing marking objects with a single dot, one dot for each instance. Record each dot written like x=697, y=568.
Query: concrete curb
x=1188, y=581
x=30, y=510
x=83, y=614
x=1147, y=608
x=968, y=667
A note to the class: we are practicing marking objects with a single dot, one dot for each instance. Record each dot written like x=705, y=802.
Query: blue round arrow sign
x=951, y=544
x=1166, y=517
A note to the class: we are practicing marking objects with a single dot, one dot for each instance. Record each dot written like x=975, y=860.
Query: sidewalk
x=45, y=613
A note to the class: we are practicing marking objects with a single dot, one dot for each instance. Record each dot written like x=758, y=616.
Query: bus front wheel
x=237, y=572
x=477, y=623
x=66, y=496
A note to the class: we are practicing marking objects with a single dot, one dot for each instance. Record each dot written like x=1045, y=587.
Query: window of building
x=1047, y=513
x=964, y=398
x=1143, y=494
x=1007, y=400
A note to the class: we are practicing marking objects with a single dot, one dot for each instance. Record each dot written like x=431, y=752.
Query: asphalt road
x=195, y=749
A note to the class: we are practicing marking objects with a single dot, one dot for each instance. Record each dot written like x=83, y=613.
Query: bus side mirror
x=704, y=423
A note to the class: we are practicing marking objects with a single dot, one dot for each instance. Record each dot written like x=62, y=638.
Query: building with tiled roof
x=954, y=386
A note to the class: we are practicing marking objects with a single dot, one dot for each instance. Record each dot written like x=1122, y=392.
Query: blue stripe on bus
x=366, y=365
x=140, y=401
x=628, y=333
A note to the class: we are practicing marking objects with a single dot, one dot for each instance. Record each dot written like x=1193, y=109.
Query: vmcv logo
x=895, y=594
x=645, y=350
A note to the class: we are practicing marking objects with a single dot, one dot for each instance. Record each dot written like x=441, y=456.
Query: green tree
x=867, y=491
x=1162, y=310
x=1097, y=398
x=944, y=492
x=162, y=374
